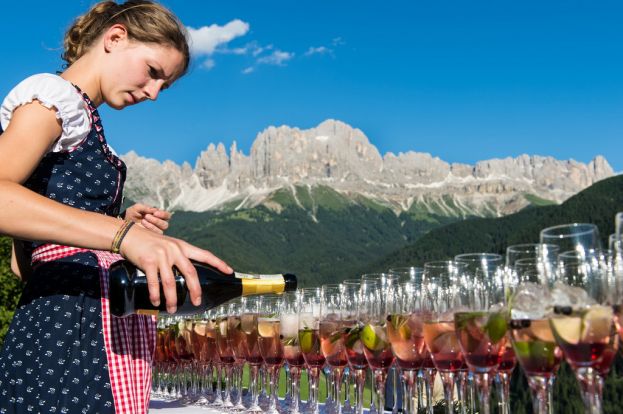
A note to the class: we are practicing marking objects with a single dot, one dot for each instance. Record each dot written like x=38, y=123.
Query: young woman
x=60, y=196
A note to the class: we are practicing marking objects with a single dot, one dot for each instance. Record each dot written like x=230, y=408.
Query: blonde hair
x=144, y=20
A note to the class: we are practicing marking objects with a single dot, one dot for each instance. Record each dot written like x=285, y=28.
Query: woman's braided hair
x=145, y=21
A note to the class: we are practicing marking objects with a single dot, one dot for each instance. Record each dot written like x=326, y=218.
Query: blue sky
x=462, y=80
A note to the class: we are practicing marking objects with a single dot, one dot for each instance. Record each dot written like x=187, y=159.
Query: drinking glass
x=289, y=318
x=225, y=352
x=239, y=347
x=580, y=237
x=441, y=280
x=544, y=255
x=309, y=341
x=406, y=336
x=583, y=327
x=332, y=329
x=376, y=288
x=531, y=334
x=271, y=347
x=409, y=274
x=248, y=323
x=481, y=325
x=351, y=300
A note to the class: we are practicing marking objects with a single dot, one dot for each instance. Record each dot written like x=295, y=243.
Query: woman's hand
x=151, y=218
x=157, y=254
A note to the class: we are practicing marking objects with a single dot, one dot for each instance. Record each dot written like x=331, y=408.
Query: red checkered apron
x=130, y=342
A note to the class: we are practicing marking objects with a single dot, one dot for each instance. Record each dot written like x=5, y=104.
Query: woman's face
x=138, y=71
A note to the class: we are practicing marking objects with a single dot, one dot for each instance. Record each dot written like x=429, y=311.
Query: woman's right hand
x=157, y=254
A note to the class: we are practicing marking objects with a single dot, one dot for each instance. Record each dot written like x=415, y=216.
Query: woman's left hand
x=151, y=218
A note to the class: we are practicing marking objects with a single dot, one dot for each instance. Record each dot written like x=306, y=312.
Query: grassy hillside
x=597, y=204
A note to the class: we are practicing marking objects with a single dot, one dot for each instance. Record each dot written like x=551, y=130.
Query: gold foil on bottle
x=260, y=286
x=153, y=312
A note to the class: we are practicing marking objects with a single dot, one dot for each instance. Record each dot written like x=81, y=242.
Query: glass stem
x=380, y=377
x=347, y=377
x=409, y=379
x=503, y=382
x=541, y=388
x=461, y=390
x=253, y=387
x=360, y=382
x=429, y=382
x=420, y=390
x=227, y=398
x=314, y=376
x=483, y=382
x=336, y=375
x=447, y=378
x=274, y=385
x=295, y=378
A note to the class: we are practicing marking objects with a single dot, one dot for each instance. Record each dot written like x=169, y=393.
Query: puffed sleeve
x=52, y=91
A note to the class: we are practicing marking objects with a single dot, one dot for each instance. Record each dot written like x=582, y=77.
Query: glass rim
x=405, y=269
x=530, y=247
x=443, y=264
x=476, y=257
x=585, y=228
x=378, y=276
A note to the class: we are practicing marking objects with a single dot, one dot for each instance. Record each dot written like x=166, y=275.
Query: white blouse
x=52, y=91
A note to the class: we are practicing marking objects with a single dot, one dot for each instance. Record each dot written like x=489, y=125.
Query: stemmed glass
x=481, y=327
x=441, y=301
x=351, y=299
x=226, y=354
x=332, y=332
x=406, y=336
x=248, y=323
x=376, y=289
x=289, y=318
x=309, y=341
x=531, y=333
x=239, y=347
x=271, y=347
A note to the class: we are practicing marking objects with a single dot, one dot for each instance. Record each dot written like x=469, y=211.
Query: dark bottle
x=128, y=292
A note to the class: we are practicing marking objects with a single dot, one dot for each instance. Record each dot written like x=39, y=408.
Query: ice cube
x=575, y=297
x=289, y=325
x=531, y=301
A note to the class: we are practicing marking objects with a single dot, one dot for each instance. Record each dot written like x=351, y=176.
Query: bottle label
x=258, y=286
x=153, y=312
x=275, y=278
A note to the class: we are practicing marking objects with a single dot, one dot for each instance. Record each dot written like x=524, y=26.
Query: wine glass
x=490, y=264
x=580, y=237
x=271, y=347
x=226, y=354
x=411, y=274
x=376, y=290
x=309, y=341
x=544, y=255
x=406, y=336
x=332, y=329
x=582, y=325
x=481, y=325
x=531, y=334
x=248, y=323
x=289, y=318
x=441, y=301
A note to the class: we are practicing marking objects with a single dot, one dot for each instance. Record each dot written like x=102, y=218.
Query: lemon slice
x=568, y=328
x=306, y=340
x=200, y=328
x=266, y=329
x=597, y=323
x=370, y=338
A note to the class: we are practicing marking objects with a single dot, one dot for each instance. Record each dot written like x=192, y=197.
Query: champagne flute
x=309, y=341
x=248, y=322
x=226, y=354
x=351, y=299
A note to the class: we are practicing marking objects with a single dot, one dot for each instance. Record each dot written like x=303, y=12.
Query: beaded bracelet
x=119, y=236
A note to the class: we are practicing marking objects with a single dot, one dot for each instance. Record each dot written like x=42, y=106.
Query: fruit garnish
x=496, y=327
x=401, y=325
x=352, y=336
x=568, y=328
x=597, y=323
x=266, y=329
x=306, y=340
x=371, y=338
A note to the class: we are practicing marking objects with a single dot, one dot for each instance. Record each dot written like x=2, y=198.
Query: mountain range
x=341, y=157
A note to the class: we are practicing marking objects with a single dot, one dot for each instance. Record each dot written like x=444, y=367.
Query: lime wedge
x=306, y=340
x=371, y=338
x=567, y=328
x=522, y=349
x=597, y=323
x=496, y=327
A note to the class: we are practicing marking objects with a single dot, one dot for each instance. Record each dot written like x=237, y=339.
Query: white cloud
x=205, y=40
x=278, y=58
x=208, y=64
x=321, y=50
x=337, y=41
x=248, y=70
